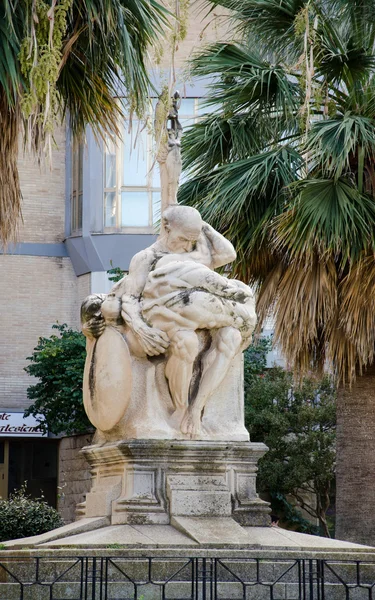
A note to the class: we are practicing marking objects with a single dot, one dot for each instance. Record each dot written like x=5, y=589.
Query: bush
x=297, y=421
x=58, y=363
x=20, y=516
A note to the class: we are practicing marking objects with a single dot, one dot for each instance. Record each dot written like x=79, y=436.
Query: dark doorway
x=34, y=462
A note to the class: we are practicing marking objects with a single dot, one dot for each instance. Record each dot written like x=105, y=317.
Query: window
x=131, y=173
x=77, y=187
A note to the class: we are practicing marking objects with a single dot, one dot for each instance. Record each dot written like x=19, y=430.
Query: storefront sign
x=14, y=424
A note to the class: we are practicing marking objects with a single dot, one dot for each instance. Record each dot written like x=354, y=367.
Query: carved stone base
x=153, y=481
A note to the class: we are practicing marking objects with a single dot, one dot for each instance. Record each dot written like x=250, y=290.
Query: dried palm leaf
x=305, y=309
x=10, y=191
x=357, y=308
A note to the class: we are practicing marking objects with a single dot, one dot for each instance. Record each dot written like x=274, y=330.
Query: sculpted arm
x=151, y=339
x=221, y=249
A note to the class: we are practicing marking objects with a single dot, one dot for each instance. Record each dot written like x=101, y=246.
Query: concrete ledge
x=185, y=537
x=82, y=526
x=213, y=531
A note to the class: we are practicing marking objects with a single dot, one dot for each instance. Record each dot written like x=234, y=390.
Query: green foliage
x=77, y=52
x=327, y=214
x=284, y=166
x=58, y=363
x=296, y=420
x=40, y=57
x=115, y=273
x=256, y=360
x=20, y=516
x=74, y=59
x=291, y=515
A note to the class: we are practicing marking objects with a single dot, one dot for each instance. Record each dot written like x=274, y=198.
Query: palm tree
x=285, y=167
x=67, y=57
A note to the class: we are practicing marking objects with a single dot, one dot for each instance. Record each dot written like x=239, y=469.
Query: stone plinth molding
x=153, y=481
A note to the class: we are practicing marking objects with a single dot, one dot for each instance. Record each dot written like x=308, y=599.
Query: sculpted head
x=183, y=226
x=91, y=306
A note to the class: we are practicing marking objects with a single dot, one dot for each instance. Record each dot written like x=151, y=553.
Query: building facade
x=94, y=208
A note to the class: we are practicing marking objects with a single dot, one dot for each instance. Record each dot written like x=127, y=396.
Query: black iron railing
x=176, y=578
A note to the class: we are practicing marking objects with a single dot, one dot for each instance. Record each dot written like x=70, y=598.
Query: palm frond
x=87, y=99
x=302, y=221
x=11, y=32
x=242, y=183
x=326, y=216
x=341, y=59
x=218, y=139
x=333, y=145
x=236, y=190
x=357, y=309
x=270, y=23
x=303, y=301
x=241, y=199
x=244, y=82
x=359, y=17
x=104, y=56
x=108, y=57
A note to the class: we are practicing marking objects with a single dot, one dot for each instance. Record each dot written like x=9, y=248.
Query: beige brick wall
x=43, y=190
x=74, y=475
x=35, y=292
x=203, y=27
x=84, y=287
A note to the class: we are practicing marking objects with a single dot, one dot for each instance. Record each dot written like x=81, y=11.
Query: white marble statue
x=168, y=155
x=171, y=299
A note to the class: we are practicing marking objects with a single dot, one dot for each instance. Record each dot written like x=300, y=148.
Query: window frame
x=76, y=188
x=151, y=164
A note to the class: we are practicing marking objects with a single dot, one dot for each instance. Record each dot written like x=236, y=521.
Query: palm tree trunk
x=10, y=192
x=355, y=472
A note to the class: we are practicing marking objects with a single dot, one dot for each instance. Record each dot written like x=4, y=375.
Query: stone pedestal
x=157, y=481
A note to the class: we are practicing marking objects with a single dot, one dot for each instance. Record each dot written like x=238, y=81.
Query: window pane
x=135, y=150
x=186, y=123
x=204, y=109
x=155, y=175
x=76, y=187
x=110, y=165
x=73, y=211
x=187, y=108
x=110, y=209
x=76, y=212
x=75, y=169
x=156, y=206
x=79, y=211
x=80, y=168
x=135, y=209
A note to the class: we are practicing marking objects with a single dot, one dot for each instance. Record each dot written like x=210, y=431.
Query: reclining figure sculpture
x=179, y=320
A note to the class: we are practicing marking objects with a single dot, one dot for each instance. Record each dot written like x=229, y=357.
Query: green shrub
x=20, y=516
x=58, y=362
x=297, y=421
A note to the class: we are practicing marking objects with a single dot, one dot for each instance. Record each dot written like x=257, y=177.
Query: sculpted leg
x=225, y=345
x=179, y=368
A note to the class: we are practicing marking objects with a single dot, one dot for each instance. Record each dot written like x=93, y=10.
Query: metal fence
x=176, y=578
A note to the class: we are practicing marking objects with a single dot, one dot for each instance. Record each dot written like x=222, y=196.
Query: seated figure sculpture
x=171, y=294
